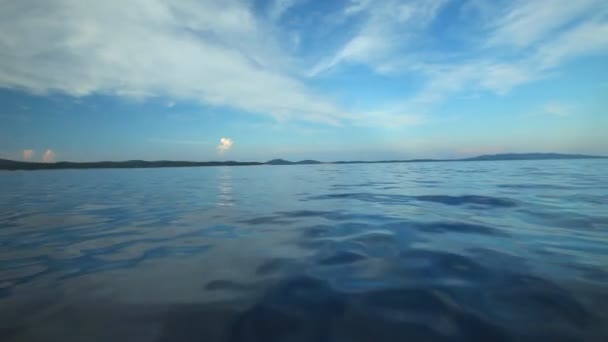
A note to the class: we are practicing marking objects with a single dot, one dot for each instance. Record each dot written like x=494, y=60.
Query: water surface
x=444, y=251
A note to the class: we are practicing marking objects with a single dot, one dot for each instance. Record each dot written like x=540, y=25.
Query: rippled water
x=457, y=251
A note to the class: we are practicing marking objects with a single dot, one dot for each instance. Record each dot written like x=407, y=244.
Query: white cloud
x=280, y=7
x=225, y=145
x=215, y=52
x=486, y=75
x=518, y=43
x=48, y=156
x=387, y=29
x=222, y=52
x=529, y=21
x=28, y=155
x=492, y=74
x=585, y=39
x=361, y=48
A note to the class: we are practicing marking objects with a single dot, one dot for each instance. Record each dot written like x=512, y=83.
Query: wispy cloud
x=587, y=38
x=485, y=75
x=225, y=145
x=526, y=22
x=387, y=28
x=28, y=155
x=48, y=156
x=178, y=141
x=279, y=7
x=557, y=109
x=231, y=53
x=216, y=52
x=519, y=42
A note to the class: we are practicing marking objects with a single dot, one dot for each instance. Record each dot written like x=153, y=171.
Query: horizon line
x=7, y=164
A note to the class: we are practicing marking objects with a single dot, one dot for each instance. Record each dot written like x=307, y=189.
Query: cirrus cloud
x=227, y=53
x=215, y=52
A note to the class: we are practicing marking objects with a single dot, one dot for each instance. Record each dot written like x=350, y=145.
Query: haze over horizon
x=301, y=79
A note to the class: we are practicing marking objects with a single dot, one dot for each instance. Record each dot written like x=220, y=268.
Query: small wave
x=225, y=285
x=403, y=252
x=460, y=227
x=340, y=258
x=534, y=186
x=393, y=199
x=469, y=199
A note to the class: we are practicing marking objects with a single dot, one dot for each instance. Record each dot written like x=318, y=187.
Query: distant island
x=6, y=164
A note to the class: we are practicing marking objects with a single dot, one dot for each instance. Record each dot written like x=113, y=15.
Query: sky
x=253, y=80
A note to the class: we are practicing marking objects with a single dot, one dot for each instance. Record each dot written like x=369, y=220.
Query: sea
x=431, y=251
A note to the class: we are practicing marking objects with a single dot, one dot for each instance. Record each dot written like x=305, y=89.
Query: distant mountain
x=19, y=165
x=531, y=156
x=489, y=157
x=391, y=161
x=308, y=161
x=278, y=162
x=287, y=162
x=7, y=162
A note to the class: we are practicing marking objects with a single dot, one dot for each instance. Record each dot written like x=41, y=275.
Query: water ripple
x=388, y=199
x=381, y=252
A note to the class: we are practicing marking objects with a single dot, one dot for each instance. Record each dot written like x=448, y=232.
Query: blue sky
x=298, y=79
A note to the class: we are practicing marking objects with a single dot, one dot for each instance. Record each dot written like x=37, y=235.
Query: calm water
x=484, y=251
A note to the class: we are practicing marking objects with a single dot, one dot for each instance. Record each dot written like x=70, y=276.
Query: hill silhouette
x=6, y=164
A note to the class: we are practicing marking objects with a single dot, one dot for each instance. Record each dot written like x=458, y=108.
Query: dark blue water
x=461, y=251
